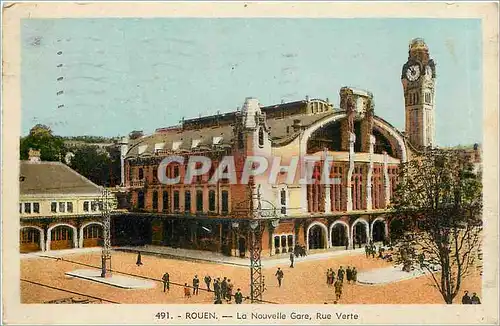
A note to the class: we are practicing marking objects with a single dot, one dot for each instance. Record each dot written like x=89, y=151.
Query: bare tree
x=441, y=195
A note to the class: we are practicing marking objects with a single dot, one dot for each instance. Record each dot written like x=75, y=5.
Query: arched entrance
x=360, y=233
x=61, y=236
x=30, y=239
x=378, y=230
x=339, y=234
x=91, y=235
x=317, y=236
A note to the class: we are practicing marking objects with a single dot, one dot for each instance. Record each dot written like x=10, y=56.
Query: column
x=369, y=176
x=387, y=183
x=47, y=244
x=352, y=140
x=75, y=238
x=42, y=239
x=328, y=198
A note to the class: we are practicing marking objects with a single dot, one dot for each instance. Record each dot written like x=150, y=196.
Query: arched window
x=199, y=200
x=165, y=201
x=187, y=201
x=155, y=200
x=141, y=173
x=225, y=202
x=261, y=136
x=140, y=199
x=211, y=200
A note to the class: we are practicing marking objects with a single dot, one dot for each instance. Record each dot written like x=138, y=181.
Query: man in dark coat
x=139, y=259
x=475, y=299
x=466, y=298
x=340, y=274
x=196, y=285
x=279, y=276
x=348, y=274
x=291, y=259
x=354, y=276
x=208, y=280
x=166, y=282
x=238, y=297
x=223, y=288
x=367, y=251
x=217, y=288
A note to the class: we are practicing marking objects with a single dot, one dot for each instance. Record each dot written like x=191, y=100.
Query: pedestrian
x=208, y=279
x=328, y=279
x=291, y=259
x=346, y=242
x=166, y=282
x=348, y=273
x=367, y=251
x=340, y=274
x=139, y=259
x=466, y=298
x=223, y=288
x=380, y=252
x=332, y=276
x=338, y=289
x=196, y=285
x=354, y=276
x=217, y=288
x=187, y=292
x=229, y=290
x=475, y=299
x=238, y=297
x=373, y=250
x=279, y=276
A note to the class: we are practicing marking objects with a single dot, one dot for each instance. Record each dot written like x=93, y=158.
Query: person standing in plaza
x=466, y=298
x=338, y=289
x=139, y=259
x=208, y=280
x=279, y=275
x=291, y=259
x=187, y=291
x=354, y=276
x=223, y=288
x=328, y=276
x=348, y=273
x=166, y=282
x=346, y=242
x=229, y=293
x=374, y=250
x=475, y=299
x=217, y=288
x=238, y=297
x=196, y=285
x=340, y=274
x=367, y=251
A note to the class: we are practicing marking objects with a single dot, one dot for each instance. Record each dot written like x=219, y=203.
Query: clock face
x=413, y=72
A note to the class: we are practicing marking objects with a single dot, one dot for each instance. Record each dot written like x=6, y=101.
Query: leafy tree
x=100, y=165
x=136, y=134
x=41, y=138
x=441, y=194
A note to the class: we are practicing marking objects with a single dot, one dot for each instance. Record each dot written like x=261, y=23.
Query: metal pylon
x=106, y=245
x=257, y=285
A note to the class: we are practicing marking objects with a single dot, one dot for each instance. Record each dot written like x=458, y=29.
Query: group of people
x=351, y=275
x=371, y=250
x=466, y=299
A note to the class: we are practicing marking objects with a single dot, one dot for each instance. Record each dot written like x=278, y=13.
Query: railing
x=137, y=183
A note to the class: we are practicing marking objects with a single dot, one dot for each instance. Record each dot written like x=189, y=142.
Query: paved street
x=303, y=284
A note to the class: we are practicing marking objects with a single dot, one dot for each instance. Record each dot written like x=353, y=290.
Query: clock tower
x=419, y=81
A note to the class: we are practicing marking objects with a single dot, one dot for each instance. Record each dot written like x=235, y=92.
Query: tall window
x=315, y=191
x=176, y=200
x=211, y=200
x=61, y=233
x=337, y=189
x=62, y=207
x=187, y=201
x=86, y=206
x=165, y=201
x=261, y=136
x=155, y=174
x=155, y=200
x=29, y=235
x=357, y=189
x=140, y=200
x=176, y=171
x=93, y=231
x=141, y=173
x=69, y=207
x=225, y=201
x=27, y=208
x=53, y=207
x=199, y=201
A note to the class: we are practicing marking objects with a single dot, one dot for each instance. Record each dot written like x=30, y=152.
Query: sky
x=120, y=75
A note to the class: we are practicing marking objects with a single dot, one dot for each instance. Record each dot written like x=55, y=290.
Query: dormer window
x=176, y=145
x=216, y=140
x=195, y=143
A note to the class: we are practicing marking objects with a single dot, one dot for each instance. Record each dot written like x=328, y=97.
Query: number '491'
x=162, y=315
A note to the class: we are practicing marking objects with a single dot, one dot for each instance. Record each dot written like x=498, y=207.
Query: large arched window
x=155, y=200
x=261, y=137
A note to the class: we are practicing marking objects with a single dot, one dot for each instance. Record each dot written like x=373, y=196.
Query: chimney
x=34, y=155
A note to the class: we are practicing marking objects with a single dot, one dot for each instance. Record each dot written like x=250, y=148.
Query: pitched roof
x=53, y=178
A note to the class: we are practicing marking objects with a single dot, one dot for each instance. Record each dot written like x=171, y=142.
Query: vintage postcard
x=250, y=163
